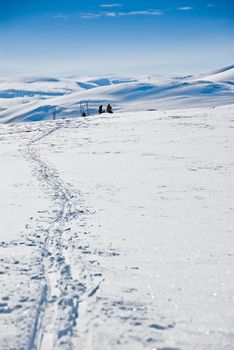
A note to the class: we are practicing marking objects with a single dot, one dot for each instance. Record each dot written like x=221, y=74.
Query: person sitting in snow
x=109, y=108
x=100, y=110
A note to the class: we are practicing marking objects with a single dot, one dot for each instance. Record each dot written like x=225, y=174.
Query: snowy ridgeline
x=117, y=233
x=33, y=98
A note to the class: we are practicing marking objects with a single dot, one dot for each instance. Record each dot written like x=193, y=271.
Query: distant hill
x=30, y=98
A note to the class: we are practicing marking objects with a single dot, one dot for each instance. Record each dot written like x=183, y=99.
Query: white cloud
x=93, y=15
x=115, y=13
x=61, y=16
x=144, y=13
x=185, y=8
x=90, y=15
x=111, y=14
x=111, y=5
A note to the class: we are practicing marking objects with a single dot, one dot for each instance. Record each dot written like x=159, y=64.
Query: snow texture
x=117, y=232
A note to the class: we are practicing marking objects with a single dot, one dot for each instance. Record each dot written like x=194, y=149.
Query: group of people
x=108, y=109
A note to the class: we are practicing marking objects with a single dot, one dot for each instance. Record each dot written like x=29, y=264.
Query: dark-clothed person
x=109, y=108
x=100, y=110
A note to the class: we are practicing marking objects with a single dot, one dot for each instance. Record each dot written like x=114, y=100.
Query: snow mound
x=221, y=75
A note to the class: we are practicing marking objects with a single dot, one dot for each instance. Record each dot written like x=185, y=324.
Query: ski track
x=58, y=304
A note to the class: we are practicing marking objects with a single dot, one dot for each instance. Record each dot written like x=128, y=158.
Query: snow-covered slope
x=32, y=98
x=222, y=75
x=117, y=232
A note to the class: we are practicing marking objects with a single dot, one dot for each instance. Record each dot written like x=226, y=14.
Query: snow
x=117, y=232
x=32, y=98
x=225, y=74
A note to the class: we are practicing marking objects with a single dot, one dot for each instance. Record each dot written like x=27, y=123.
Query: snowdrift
x=33, y=98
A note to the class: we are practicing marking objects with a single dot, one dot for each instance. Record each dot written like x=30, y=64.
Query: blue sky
x=122, y=37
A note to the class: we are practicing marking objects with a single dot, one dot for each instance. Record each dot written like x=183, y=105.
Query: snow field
x=156, y=182
x=131, y=232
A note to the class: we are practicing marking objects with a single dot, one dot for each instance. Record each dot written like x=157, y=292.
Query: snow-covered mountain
x=32, y=98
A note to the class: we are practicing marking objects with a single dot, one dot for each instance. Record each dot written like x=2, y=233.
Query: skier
x=100, y=110
x=109, y=108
